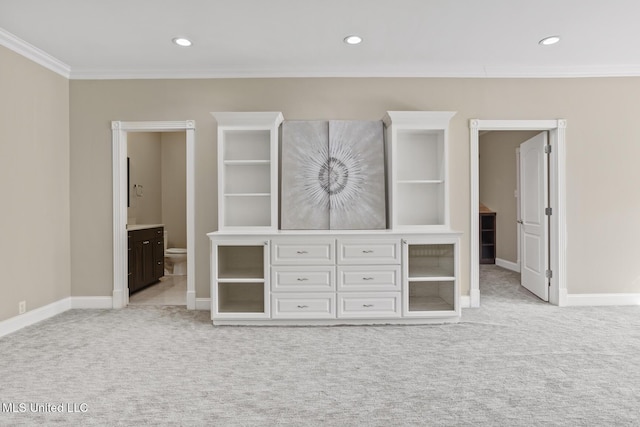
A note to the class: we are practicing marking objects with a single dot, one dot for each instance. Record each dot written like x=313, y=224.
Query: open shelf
x=247, y=210
x=431, y=296
x=241, y=262
x=420, y=203
x=247, y=144
x=431, y=261
x=240, y=297
x=247, y=178
x=420, y=152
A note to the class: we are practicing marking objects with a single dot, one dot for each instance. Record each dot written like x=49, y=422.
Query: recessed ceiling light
x=181, y=41
x=353, y=39
x=549, y=40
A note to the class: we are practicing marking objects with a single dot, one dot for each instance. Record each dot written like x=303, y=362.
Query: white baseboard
x=92, y=302
x=513, y=266
x=203, y=304
x=576, y=300
x=39, y=314
x=34, y=316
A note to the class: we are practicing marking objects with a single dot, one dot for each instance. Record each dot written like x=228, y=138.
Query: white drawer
x=303, y=279
x=368, y=305
x=361, y=278
x=309, y=252
x=383, y=251
x=321, y=305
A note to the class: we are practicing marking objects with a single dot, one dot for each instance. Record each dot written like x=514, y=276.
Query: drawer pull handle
x=302, y=279
x=367, y=278
x=146, y=242
x=302, y=252
x=367, y=305
x=368, y=251
x=303, y=306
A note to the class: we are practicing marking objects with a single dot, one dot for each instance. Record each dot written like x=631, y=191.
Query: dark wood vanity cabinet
x=146, y=257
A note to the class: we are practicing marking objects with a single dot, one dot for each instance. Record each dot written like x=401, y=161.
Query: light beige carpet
x=514, y=362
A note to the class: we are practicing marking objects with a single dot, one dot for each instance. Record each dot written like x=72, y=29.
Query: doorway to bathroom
x=158, y=155
x=157, y=203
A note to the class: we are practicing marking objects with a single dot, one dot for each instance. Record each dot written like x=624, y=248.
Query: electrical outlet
x=22, y=307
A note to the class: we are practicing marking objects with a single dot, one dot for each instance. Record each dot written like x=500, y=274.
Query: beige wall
x=145, y=170
x=603, y=196
x=34, y=183
x=498, y=183
x=174, y=187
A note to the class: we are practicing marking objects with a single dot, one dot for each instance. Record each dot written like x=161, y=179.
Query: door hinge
x=547, y=149
x=547, y=211
x=548, y=274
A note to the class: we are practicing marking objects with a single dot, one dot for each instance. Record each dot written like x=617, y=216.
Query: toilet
x=175, y=259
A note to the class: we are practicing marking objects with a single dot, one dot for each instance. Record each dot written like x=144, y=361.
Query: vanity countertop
x=133, y=227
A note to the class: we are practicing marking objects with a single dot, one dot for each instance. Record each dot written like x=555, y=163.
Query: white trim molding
x=513, y=266
x=36, y=55
x=581, y=300
x=119, y=161
x=36, y=315
x=431, y=72
x=557, y=195
x=203, y=304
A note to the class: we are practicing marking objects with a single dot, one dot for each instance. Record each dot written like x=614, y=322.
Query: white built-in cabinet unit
x=407, y=273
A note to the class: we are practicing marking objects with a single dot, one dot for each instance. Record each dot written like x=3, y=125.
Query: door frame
x=557, y=196
x=119, y=130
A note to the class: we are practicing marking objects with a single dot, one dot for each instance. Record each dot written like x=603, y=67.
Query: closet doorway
x=120, y=131
x=550, y=254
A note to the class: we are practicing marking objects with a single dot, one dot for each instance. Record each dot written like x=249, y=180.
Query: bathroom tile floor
x=171, y=290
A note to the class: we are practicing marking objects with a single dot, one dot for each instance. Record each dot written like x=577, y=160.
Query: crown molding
x=456, y=72
x=31, y=52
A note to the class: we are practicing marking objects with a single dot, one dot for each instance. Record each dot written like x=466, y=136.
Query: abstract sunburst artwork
x=333, y=175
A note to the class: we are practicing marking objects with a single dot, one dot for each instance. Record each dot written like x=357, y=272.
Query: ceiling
x=91, y=39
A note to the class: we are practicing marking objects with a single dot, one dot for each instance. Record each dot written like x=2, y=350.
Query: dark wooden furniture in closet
x=146, y=257
x=487, y=235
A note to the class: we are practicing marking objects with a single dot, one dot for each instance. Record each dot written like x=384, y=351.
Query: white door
x=534, y=223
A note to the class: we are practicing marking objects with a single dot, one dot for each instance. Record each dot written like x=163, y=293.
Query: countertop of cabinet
x=134, y=227
x=485, y=210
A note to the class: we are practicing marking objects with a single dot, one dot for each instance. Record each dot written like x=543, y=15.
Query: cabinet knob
x=146, y=242
x=368, y=251
x=302, y=252
x=302, y=279
x=303, y=306
x=367, y=305
x=367, y=278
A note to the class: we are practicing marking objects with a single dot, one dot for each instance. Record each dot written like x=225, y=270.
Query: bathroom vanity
x=146, y=255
